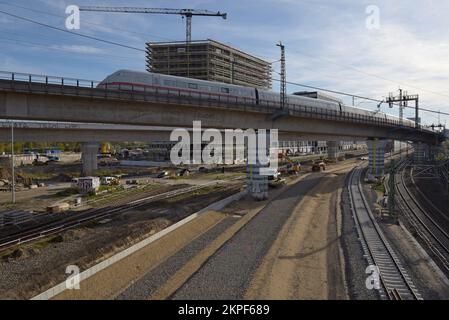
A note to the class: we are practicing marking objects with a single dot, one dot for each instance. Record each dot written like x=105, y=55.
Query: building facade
x=208, y=60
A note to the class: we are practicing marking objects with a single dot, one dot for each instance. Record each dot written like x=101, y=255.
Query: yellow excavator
x=292, y=167
x=105, y=148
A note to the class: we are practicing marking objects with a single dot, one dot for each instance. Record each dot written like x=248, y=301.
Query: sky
x=367, y=48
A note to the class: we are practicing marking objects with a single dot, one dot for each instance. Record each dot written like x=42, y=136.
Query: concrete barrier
x=19, y=160
x=50, y=293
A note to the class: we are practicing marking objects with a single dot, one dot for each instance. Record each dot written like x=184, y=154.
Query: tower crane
x=187, y=13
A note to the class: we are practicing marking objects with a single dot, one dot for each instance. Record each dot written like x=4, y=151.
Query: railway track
x=52, y=228
x=395, y=282
x=425, y=224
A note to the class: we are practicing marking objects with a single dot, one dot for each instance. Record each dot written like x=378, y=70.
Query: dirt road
x=304, y=261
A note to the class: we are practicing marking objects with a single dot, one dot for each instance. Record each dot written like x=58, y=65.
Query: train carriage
x=215, y=91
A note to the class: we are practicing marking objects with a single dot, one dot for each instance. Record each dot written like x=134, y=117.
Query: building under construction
x=208, y=60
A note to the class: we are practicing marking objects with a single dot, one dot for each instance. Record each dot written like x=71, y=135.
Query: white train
x=165, y=84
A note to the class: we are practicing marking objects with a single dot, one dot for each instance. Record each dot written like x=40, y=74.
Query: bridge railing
x=50, y=80
x=81, y=87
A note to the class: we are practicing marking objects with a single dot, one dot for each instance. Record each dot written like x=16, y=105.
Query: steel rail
x=425, y=226
x=396, y=284
x=52, y=228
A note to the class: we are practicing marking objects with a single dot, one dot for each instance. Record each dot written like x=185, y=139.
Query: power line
x=129, y=47
x=84, y=21
x=71, y=32
x=368, y=74
x=357, y=96
x=288, y=82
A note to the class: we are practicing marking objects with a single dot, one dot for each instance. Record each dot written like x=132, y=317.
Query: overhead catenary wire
x=357, y=96
x=367, y=73
x=71, y=32
x=143, y=50
x=85, y=21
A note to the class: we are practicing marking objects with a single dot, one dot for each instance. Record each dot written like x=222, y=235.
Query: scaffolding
x=208, y=60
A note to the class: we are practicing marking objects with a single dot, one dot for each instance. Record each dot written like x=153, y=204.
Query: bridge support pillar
x=257, y=177
x=420, y=152
x=89, y=157
x=332, y=150
x=435, y=151
x=376, y=158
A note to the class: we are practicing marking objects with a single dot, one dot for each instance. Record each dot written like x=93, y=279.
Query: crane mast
x=187, y=13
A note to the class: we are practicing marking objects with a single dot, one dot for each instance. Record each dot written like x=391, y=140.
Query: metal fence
x=33, y=83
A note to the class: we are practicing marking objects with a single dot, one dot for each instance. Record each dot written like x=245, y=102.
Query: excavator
x=292, y=167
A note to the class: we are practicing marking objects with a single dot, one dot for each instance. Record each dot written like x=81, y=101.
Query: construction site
x=199, y=171
x=208, y=60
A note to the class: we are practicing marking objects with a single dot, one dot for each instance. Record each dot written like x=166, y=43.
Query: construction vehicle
x=292, y=167
x=105, y=148
x=110, y=181
x=318, y=165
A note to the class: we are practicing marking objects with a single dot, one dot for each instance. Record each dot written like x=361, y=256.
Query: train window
x=225, y=90
x=170, y=83
x=214, y=89
x=193, y=86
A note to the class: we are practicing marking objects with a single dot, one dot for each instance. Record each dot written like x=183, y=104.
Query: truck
x=109, y=181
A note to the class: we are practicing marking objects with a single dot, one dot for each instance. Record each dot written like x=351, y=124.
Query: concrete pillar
x=419, y=152
x=89, y=157
x=257, y=182
x=435, y=151
x=376, y=158
x=332, y=150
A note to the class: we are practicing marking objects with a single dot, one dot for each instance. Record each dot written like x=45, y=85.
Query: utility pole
x=404, y=98
x=283, y=76
x=13, y=182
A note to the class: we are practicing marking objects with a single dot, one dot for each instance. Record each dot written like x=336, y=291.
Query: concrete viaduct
x=61, y=109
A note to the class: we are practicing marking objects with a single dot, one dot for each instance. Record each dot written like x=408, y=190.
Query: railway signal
x=403, y=98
